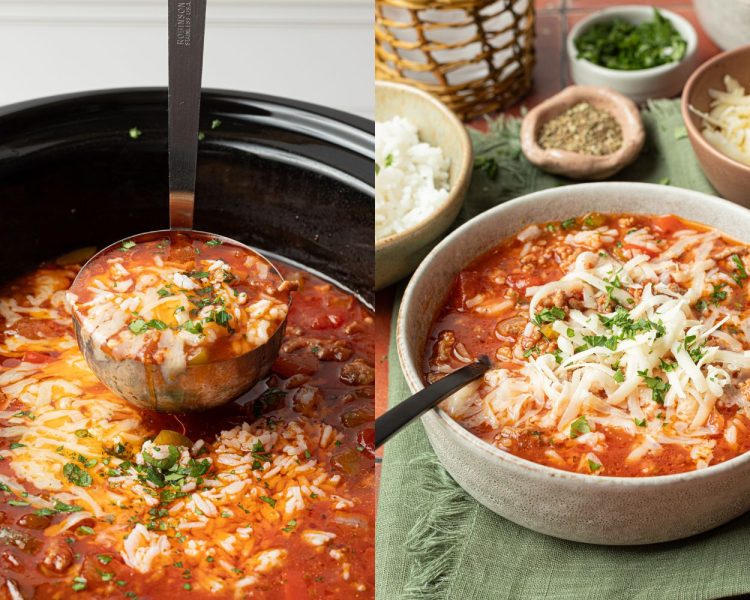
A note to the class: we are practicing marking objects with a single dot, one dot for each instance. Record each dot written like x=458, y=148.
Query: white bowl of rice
x=423, y=168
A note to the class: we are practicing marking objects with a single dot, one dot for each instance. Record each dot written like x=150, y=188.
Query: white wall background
x=315, y=50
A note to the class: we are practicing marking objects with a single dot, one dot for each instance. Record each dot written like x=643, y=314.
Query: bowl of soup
x=615, y=317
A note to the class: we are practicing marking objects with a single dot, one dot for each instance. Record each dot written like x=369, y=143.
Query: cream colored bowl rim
x=506, y=459
x=684, y=27
x=457, y=187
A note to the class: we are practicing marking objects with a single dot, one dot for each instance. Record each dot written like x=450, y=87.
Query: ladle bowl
x=199, y=386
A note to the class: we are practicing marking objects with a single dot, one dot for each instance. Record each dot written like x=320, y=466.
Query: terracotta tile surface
x=554, y=18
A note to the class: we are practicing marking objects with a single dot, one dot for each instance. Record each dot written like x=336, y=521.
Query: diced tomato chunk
x=521, y=281
x=37, y=357
x=668, y=223
x=467, y=286
x=327, y=321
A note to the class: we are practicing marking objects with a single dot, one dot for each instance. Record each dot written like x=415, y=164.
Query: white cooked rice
x=411, y=179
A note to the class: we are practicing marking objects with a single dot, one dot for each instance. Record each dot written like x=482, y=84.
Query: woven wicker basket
x=477, y=56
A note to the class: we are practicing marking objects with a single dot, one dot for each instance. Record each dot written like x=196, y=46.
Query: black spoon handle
x=399, y=416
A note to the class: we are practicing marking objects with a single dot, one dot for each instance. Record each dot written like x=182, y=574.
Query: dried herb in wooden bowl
x=582, y=129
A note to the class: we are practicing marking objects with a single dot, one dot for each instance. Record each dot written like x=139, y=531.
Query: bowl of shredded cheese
x=716, y=110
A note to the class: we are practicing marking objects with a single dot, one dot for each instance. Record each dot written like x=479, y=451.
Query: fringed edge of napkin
x=434, y=542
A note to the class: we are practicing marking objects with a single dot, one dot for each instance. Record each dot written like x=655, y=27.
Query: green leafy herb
x=549, y=315
x=740, y=274
x=215, y=124
x=214, y=242
x=377, y=169
x=198, y=274
x=619, y=44
x=640, y=422
x=667, y=366
x=18, y=502
x=127, y=246
x=25, y=413
x=163, y=463
x=62, y=507
x=134, y=133
x=104, y=559
x=15, y=445
x=701, y=305
x=487, y=164
x=76, y=475
x=45, y=512
x=156, y=324
x=138, y=326
x=568, y=224
x=657, y=385
x=619, y=377
x=82, y=433
x=388, y=160
x=193, y=327
x=79, y=583
x=593, y=466
x=163, y=293
x=717, y=295
x=270, y=501
x=579, y=427
x=290, y=526
x=85, y=530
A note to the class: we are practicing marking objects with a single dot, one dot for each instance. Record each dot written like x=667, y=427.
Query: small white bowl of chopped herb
x=639, y=51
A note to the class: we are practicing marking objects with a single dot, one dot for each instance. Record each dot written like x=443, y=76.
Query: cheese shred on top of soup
x=620, y=345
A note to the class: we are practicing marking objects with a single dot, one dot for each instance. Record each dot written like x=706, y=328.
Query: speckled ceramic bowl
x=397, y=255
x=573, y=506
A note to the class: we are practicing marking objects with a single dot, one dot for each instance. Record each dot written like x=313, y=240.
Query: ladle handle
x=187, y=23
x=392, y=421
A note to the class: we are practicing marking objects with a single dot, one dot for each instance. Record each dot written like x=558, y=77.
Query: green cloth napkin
x=434, y=542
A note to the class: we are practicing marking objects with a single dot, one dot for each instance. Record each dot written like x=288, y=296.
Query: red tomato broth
x=307, y=573
x=501, y=275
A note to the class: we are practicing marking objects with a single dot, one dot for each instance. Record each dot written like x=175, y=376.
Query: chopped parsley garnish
x=579, y=427
x=76, y=475
x=198, y=274
x=163, y=293
x=193, y=327
x=62, y=507
x=667, y=366
x=568, y=224
x=717, y=295
x=45, y=512
x=216, y=123
x=270, y=501
x=619, y=44
x=85, y=530
x=104, y=559
x=222, y=318
x=127, y=245
x=618, y=376
x=388, y=160
x=83, y=433
x=25, y=413
x=640, y=422
x=138, y=326
x=156, y=324
x=15, y=445
x=701, y=305
x=214, y=242
x=594, y=466
x=658, y=386
x=18, y=502
x=79, y=583
x=549, y=315
x=290, y=526
x=740, y=274
x=163, y=463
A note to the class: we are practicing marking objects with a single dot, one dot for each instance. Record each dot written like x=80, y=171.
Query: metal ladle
x=200, y=386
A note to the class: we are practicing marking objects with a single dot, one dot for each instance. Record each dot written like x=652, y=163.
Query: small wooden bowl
x=573, y=164
x=730, y=177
